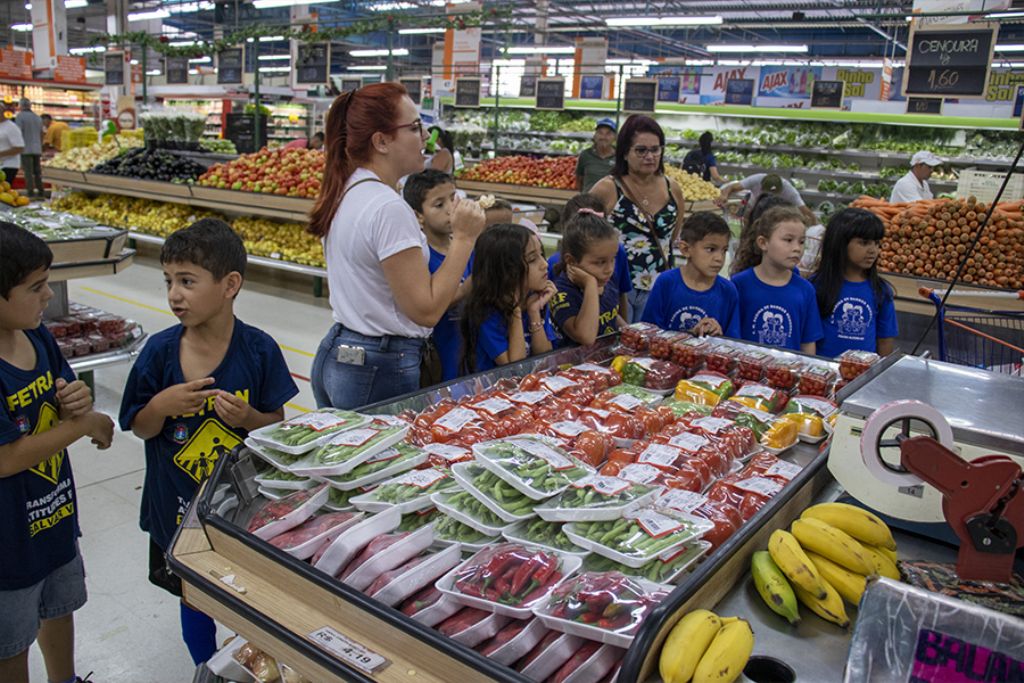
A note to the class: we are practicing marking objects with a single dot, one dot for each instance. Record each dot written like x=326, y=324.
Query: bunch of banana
x=823, y=560
x=705, y=648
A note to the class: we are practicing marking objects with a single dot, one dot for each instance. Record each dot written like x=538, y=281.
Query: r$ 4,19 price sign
x=347, y=650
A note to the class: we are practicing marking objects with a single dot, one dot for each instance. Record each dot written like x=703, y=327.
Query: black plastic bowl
x=768, y=670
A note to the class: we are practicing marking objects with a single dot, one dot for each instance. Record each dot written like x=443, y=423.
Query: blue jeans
x=637, y=300
x=392, y=368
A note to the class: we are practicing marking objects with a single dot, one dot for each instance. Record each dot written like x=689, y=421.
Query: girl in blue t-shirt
x=777, y=306
x=855, y=304
x=587, y=303
x=506, y=317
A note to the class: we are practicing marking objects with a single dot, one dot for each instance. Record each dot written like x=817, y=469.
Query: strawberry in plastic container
x=637, y=337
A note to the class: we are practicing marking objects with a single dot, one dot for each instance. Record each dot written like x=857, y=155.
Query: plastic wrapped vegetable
x=412, y=486
x=661, y=343
x=509, y=574
x=595, y=497
x=783, y=373
x=658, y=570
x=690, y=353
x=531, y=465
x=854, y=363
x=705, y=388
x=285, y=514
x=355, y=445
x=781, y=435
x=311, y=529
x=752, y=365
x=497, y=490
x=760, y=397
x=657, y=375
x=637, y=337
x=540, y=532
x=638, y=537
x=303, y=433
x=388, y=462
x=817, y=381
x=609, y=601
x=722, y=359
x=452, y=530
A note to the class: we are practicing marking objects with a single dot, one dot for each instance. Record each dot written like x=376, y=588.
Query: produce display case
x=285, y=607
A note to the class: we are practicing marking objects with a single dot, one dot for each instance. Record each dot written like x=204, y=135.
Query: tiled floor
x=129, y=629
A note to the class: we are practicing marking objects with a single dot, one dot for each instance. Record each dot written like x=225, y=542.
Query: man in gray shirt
x=596, y=162
x=31, y=127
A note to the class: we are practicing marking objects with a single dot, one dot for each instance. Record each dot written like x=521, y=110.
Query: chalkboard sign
x=177, y=69
x=668, y=89
x=640, y=95
x=241, y=130
x=467, y=92
x=113, y=69
x=312, y=63
x=351, y=84
x=924, y=105
x=739, y=91
x=528, y=86
x=230, y=63
x=947, y=60
x=414, y=86
x=551, y=93
x=827, y=94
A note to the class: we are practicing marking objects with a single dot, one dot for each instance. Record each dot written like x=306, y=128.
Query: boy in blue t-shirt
x=45, y=410
x=694, y=297
x=196, y=391
x=431, y=194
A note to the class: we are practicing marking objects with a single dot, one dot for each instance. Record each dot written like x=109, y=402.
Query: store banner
x=981, y=7
x=462, y=46
x=713, y=81
x=49, y=32
x=860, y=83
x=70, y=70
x=688, y=90
x=788, y=82
x=1003, y=86
x=591, y=54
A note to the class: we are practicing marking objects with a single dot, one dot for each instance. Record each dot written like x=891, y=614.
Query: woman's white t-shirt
x=372, y=224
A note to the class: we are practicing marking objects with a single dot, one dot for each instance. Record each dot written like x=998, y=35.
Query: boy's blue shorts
x=59, y=594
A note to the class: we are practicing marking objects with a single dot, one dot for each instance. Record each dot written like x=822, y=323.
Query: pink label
x=940, y=657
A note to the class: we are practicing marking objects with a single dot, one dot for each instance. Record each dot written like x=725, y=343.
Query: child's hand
x=579, y=277
x=74, y=399
x=233, y=411
x=707, y=327
x=185, y=399
x=99, y=428
x=536, y=302
x=468, y=220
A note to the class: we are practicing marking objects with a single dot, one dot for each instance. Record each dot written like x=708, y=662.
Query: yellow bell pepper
x=688, y=391
x=752, y=402
x=619, y=363
x=782, y=434
x=807, y=423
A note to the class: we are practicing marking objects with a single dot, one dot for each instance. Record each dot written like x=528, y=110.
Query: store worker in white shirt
x=914, y=185
x=385, y=301
x=12, y=143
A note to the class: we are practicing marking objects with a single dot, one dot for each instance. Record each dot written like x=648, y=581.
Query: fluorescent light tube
x=654, y=22
x=375, y=67
x=87, y=50
x=541, y=50
x=149, y=14
x=271, y=58
x=1010, y=47
x=266, y=4
x=266, y=39
x=399, y=52
x=419, y=31
x=21, y=27
x=154, y=72
x=275, y=69
x=756, y=48
x=75, y=4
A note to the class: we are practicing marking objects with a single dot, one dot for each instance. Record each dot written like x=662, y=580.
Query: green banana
x=773, y=587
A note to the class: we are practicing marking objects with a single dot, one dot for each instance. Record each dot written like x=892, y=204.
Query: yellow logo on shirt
x=199, y=455
x=48, y=469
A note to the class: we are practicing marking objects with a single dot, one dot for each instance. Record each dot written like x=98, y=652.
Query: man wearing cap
x=765, y=183
x=914, y=185
x=597, y=161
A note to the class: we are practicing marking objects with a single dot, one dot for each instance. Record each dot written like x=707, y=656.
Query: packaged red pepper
x=509, y=574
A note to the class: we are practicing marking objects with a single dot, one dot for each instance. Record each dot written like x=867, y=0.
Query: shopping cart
x=989, y=339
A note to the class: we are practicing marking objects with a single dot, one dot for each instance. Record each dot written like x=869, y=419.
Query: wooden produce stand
x=286, y=607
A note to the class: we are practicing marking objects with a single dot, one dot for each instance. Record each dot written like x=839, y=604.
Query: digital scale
x=961, y=483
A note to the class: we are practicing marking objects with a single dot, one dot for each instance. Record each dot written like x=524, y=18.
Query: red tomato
x=651, y=419
x=702, y=468
x=612, y=468
x=594, y=447
x=621, y=456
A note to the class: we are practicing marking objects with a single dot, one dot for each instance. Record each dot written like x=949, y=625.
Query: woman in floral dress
x=644, y=204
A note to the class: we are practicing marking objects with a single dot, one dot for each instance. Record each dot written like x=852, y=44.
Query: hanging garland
x=306, y=34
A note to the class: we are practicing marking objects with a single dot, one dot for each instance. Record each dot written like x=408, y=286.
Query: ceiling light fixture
x=75, y=4
x=654, y=22
x=391, y=6
x=1004, y=15
x=87, y=50
x=756, y=48
x=267, y=4
x=399, y=52
x=21, y=27
x=1010, y=47
x=149, y=14
x=374, y=67
x=540, y=50
x=154, y=72
x=419, y=31
x=266, y=39
x=190, y=7
x=271, y=58
x=200, y=60
x=275, y=69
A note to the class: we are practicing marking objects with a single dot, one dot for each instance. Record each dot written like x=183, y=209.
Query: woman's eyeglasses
x=647, y=151
x=416, y=127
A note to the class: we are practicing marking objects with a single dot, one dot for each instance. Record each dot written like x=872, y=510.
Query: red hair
x=353, y=119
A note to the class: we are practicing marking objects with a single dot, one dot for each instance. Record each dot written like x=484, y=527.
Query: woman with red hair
x=383, y=298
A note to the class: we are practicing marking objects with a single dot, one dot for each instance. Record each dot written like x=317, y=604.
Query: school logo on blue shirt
x=200, y=454
x=773, y=325
x=687, y=317
x=180, y=433
x=852, y=317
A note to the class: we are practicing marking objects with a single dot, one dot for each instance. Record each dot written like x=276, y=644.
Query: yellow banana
x=864, y=526
x=686, y=644
x=794, y=563
x=828, y=541
x=830, y=608
x=891, y=554
x=848, y=584
x=772, y=586
x=882, y=565
x=727, y=655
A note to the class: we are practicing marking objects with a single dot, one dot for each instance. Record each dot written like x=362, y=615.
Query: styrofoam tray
x=570, y=563
x=224, y=664
x=310, y=467
x=293, y=518
x=389, y=558
x=513, y=533
x=521, y=644
x=347, y=545
x=306, y=550
x=285, y=485
x=261, y=435
x=441, y=502
x=370, y=502
x=551, y=512
x=699, y=527
x=270, y=455
x=397, y=467
x=552, y=659
x=272, y=494
x=487, y=461
x=438, y=612
x=461, y=473
x=481, y=631
x=595, y=668
x=417, y=578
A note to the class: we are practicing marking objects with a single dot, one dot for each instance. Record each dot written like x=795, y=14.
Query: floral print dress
x=645, y=260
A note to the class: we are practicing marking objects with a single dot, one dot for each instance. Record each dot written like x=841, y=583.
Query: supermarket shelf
x=116, y=357
x=61, y=272
x=263, y=261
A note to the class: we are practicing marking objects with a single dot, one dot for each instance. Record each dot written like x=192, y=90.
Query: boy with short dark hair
x=196, y=391
x=45, y=409
x=431, y=194
x=694, y=297
x=499, y=212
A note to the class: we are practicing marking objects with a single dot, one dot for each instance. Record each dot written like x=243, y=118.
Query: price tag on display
x=557, y=384
x=639, y=473
x=656, y=524
x=783, y=469
x=546, y=453
x=457, y=418
x=529, y=397
x=689, y=442
x=387, y=454
x=659, y=454
x=590, y=367
x=684, y=501
x=318, y=422
x=820, y=406
x=493, y=406
x=423, y=479
x=348, y=650
x=712, y=424
x=713, y=381
x=756, y=390
x=355, y=437
x=627, y=402
x=606, y=486
x=568, y=429
x=761, y=485
x=448, y=452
